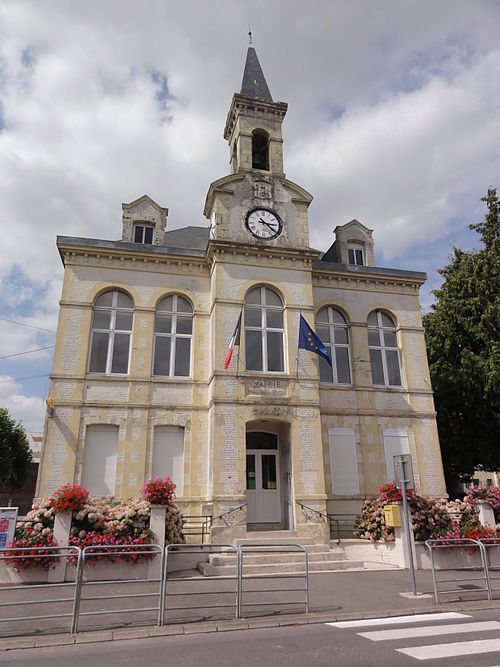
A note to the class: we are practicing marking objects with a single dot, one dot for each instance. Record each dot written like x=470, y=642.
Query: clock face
x=263, y=223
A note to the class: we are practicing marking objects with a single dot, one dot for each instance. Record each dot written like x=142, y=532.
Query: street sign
x=8, y=519
x=403, y=462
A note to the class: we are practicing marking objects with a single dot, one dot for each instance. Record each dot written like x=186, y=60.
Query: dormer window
x=143, y=234
x=260, y=150
x=355, y=254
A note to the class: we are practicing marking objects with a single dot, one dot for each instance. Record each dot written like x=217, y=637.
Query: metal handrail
x=329, y=517
x=201, y=521
x=486, y=543
x=234, y=509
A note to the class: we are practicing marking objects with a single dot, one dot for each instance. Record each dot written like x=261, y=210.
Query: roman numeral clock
x=263, y=223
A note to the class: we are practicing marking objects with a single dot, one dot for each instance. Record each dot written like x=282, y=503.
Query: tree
x=15, y=453
x=463, y=345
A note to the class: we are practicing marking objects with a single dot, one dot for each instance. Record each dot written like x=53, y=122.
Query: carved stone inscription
x=265, y=387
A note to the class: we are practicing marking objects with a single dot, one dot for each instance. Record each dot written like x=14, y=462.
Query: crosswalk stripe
x=429, y=631
x=395, y=620
x=435, y=651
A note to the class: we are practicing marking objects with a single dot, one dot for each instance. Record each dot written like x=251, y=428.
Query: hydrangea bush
x=430, y=518
x=96, y=522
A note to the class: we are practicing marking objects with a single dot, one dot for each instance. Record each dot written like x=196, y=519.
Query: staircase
x=322, y=557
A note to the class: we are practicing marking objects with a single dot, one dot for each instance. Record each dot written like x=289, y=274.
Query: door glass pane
x=120, y=353
x=325, y=370
x=377, y=369
x=262, y=440
x=253, y=349
x=343, y=372
x=274, y=351
x=251, y=472
x=253, y=317
x=162, y=356
x=393, y=368
x=98, y=353
x=182, y=350
x=269, y=471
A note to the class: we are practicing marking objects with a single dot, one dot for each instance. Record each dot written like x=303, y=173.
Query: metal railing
x=197, y=583
x=468, y=545
x=329, y=517
x=51, y=557
x=123, y=552
x=194, y=524
x=488, y=544
x=115, y=596
x=270, y=549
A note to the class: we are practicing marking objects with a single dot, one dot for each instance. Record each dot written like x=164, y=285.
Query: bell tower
x=255, y=204
x=253, y=125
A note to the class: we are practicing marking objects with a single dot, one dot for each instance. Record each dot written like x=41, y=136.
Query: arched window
x=331, y=327
x=111, y=330
x=264, y=334
x=173, y=333
x=260, y=150
x=384, y=351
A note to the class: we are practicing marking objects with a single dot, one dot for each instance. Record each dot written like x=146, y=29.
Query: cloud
x=393, y=118
x=29, y=410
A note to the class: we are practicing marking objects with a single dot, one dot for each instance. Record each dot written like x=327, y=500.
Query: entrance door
x=263, y=479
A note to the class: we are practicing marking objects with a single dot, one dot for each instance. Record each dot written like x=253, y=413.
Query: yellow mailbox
x=392, y=516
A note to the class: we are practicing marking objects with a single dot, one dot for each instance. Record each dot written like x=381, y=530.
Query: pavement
x=334, y=596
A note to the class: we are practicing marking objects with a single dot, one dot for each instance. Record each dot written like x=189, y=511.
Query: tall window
x=173, y=333
x=111, y=331
x=168, y=455
x=143, y=234
x=331, y=327
x=384, y=352
x=260, y=150
x=264, y=348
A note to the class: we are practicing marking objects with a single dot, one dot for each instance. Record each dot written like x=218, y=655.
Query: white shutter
x=343, y=461
x=168, y=455
x=99, y=460
x=395, y=442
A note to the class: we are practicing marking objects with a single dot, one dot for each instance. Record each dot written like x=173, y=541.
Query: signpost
x=403, y=470
x=8, y=520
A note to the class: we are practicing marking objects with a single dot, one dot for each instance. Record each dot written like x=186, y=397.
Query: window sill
x=170, y=378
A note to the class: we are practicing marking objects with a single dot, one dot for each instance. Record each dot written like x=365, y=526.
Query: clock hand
x=267, y=224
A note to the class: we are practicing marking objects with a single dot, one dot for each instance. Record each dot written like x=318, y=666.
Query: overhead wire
x=23, y=324
x=18, y=354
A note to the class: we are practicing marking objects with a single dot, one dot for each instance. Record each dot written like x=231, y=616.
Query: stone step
x=274, y=538
x=256, y=558
x=268, y=569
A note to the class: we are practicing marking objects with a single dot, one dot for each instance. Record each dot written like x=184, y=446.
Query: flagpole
x=238, y=357
x=298, y=349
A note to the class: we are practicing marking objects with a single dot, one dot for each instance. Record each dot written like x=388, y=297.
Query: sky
x=393, y=119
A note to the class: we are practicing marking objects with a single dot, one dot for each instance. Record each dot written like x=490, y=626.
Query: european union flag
x=308, y=340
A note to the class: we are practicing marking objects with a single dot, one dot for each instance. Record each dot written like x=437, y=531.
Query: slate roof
x=188, y=237
x=254, y=83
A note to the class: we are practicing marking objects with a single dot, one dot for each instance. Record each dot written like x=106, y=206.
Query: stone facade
x=217, y=409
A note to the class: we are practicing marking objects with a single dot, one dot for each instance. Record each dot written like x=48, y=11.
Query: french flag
x=235, y=340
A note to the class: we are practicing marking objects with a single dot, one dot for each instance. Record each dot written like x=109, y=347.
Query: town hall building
x=139, y=385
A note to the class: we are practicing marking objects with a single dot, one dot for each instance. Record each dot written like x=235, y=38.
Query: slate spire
x=254, y=83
